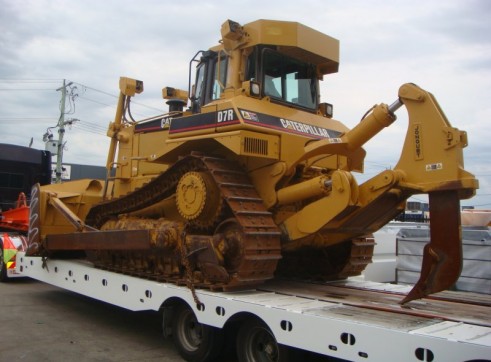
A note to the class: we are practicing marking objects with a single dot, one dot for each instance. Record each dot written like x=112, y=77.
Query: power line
x=26, y=89
x=9, y=80
x=14, y=119
x=91, y=126
x=95, y=125
x=23, y=82
x=97, y=90
x=115, y=96
x=84, y=128
x=110, y=105
x=97, y=102
x=31, y=79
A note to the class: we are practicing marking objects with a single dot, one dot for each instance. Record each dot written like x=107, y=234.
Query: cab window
x=200, y=77
x=289, y=80
x=219, y=77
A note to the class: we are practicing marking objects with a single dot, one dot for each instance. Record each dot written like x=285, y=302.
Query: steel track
x=260, y=236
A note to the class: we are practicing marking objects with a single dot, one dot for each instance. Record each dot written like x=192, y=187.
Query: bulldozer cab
x=283, y=78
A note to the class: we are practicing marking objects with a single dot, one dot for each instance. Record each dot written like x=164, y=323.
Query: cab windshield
x=289, y=80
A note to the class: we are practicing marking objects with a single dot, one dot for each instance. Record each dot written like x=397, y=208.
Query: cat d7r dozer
x=249, y=176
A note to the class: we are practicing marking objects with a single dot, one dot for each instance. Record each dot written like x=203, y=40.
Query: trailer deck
x=350, y=320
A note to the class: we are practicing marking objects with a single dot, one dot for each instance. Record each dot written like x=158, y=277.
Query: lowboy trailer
x=349, y=320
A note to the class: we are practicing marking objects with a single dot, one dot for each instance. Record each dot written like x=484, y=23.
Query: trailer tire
x=256, y=342
x=195, y=341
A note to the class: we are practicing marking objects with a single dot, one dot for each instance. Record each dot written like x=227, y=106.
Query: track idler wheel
x=198, y=199
x=442, y=256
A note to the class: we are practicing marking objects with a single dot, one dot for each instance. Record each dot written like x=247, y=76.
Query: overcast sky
x=443, y=46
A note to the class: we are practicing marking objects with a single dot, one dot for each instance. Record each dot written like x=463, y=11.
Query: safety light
x=326, y=109
x=251, y=88
x=255, y=89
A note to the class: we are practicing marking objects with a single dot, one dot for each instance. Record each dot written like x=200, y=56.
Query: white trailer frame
x=333, y=329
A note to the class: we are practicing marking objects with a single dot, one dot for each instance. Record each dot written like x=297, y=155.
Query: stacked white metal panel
x=476, y=245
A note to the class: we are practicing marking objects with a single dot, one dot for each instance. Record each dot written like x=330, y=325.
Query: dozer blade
x=442, y=256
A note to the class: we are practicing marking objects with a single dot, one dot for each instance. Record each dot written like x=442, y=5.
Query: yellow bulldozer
x=248, y=176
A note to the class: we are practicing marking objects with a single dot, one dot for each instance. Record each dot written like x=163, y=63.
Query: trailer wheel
x=256, y=342
x=3, y=268
x=195, y=341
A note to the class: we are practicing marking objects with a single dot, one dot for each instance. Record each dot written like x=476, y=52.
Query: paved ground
x=39, y=322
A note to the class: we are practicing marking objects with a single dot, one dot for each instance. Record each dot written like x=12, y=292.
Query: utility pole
x=61, y=131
